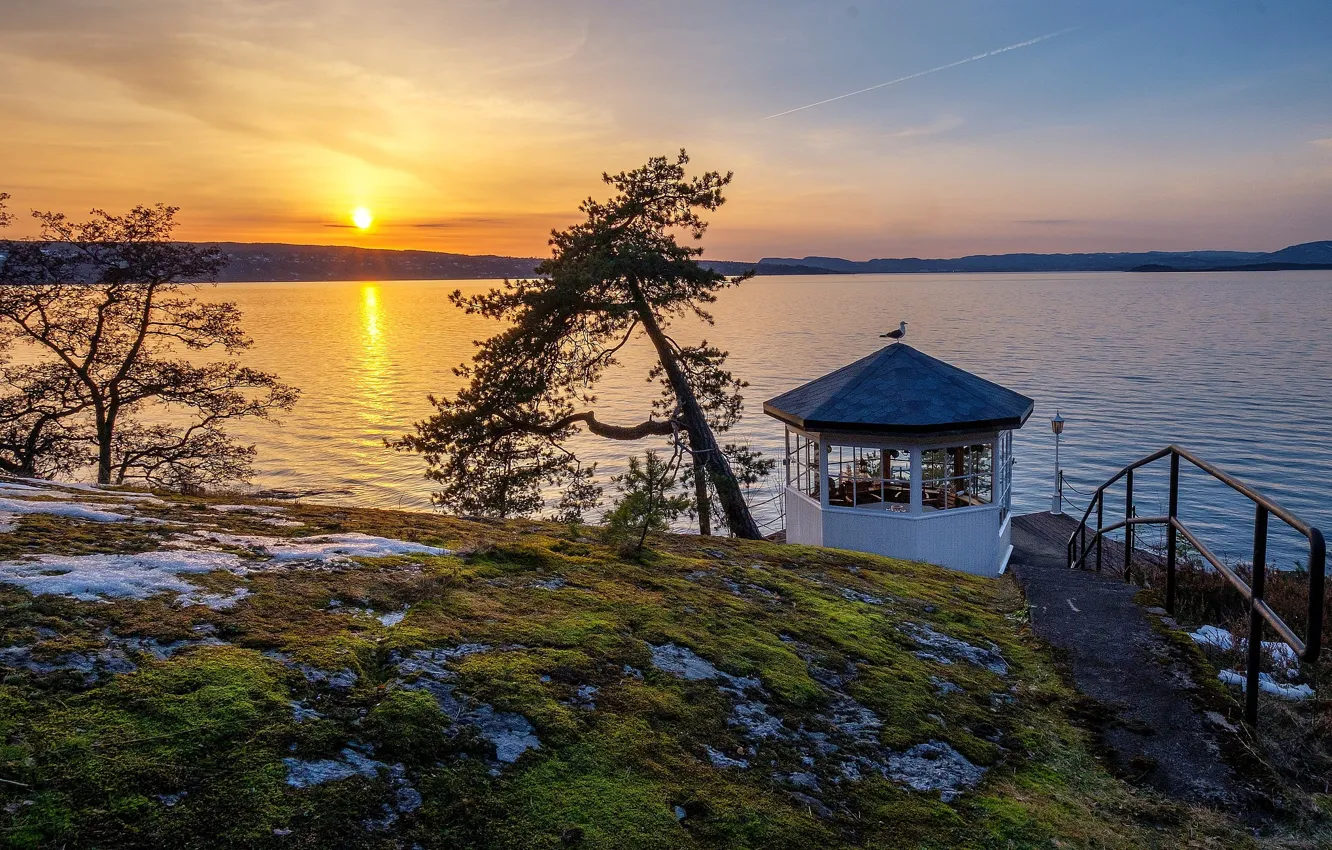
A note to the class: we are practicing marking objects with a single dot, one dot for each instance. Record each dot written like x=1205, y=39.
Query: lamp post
x=1057, y=500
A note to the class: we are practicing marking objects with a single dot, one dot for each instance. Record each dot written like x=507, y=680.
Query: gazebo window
x=860, y=476
x=958, y=476
x=802, y=465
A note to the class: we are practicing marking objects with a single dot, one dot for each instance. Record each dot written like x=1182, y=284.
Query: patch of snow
x=548, y=584
x=72, y=510
x=302, y=773
x=283, y=523
x=11, y=487
x=8, y=522
x=65, y=485
x=102, y=576
x=323, y=547
x=215, y=601
x=1221, y=639
x=1267, y=685
x=61, y=489
x=392, y=618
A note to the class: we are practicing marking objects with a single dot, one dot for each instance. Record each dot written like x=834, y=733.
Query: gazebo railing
x=1306, y=649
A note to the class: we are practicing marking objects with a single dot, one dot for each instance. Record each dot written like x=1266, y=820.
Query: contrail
x=1027, y=43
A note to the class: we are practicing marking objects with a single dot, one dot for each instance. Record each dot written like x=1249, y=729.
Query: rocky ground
x=198, y=673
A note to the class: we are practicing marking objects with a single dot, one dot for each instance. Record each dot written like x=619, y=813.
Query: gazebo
x=903, y=455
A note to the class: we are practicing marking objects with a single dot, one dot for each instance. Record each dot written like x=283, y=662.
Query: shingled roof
x=899, y=390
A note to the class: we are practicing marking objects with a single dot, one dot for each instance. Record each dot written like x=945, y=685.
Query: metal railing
x=1306, y=649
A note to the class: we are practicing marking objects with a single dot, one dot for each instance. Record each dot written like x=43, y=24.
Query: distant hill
x=265, y=261
x=1309, y=256
x=1309, y=253
x=271, y=261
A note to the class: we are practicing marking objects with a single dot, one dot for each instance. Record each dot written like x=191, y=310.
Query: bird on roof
x=895, y=335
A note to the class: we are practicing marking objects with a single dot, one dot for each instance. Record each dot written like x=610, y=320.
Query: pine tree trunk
x=701, y=495
x=701, y=438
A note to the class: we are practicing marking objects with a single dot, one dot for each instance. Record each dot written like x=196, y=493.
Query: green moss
x=97, y=766
x=408, y=726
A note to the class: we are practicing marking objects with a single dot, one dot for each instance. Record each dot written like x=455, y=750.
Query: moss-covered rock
x=527, y=687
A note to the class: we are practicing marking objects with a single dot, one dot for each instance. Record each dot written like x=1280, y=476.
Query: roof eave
x=1006, y=423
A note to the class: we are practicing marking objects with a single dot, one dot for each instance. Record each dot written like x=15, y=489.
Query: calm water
x=1238, y=367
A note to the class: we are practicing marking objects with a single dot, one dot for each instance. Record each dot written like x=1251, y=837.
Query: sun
x=362, y=218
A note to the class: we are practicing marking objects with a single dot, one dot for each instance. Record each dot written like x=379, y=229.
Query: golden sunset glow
x=483, y=125
x=362, y=218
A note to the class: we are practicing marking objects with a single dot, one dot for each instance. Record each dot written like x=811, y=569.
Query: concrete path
x=1119, y=661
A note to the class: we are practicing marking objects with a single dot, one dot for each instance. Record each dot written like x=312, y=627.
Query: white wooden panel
x=966, y=539
x=804, y=519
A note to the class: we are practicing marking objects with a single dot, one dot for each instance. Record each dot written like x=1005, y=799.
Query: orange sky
x=476, y=126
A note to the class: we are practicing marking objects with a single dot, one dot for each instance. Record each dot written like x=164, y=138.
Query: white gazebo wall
x=966, y=539
x=974, y=539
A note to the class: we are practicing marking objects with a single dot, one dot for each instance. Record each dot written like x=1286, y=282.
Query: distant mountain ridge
x=1308, y=253
x=265, y=261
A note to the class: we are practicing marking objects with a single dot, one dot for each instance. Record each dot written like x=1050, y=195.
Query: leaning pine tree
x=621, y=272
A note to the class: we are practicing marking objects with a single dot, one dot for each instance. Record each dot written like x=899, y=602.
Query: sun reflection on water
x=370, y=314
x=374, y=378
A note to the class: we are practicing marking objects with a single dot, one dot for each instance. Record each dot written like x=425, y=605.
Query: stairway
x=1119, y=660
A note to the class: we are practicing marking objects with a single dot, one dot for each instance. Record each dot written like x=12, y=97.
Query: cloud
x=1322, y=143
x=940, y=125
x=1049, y=222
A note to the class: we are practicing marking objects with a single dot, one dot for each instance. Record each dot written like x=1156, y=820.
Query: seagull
x=895, y=335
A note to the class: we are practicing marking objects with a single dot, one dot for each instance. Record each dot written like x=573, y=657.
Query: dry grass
x=1295, y=738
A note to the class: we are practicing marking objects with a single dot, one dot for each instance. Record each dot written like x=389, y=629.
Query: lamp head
x=1057, y=424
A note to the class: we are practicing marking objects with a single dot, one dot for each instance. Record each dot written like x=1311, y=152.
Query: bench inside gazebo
x=904, y=455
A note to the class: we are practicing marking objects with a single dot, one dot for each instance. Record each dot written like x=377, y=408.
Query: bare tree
x=106, y=305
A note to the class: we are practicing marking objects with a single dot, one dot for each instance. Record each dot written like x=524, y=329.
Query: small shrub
x=646, y=503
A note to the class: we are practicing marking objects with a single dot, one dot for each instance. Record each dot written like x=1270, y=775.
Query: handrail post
x=1253, y=674
x=1313, y=644
x=1128, y=528
x=1100, y=523
x=1170, y=532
